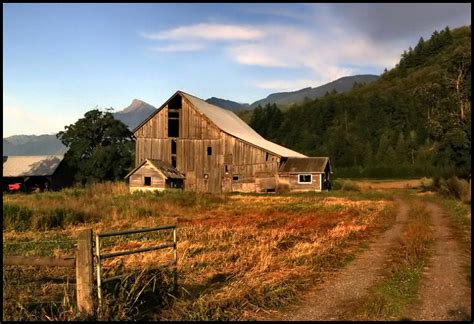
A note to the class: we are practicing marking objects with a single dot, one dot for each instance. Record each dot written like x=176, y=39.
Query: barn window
x=226, y=168
x=235, y=178
x=173, y=125
x=305, y=178
x=266, y=156
x=147, y=181
x=209, y=150
x=175, y=103
x=173, y=161
x=174, y=106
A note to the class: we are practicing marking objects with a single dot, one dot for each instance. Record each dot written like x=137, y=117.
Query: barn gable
x=228, y=122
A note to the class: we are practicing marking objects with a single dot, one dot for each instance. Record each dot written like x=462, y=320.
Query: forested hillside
x=414, y=121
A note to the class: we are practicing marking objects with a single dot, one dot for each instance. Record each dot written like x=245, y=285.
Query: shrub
x=348, y=185
x=452, y=187
x=16, y=217
x=427, y=184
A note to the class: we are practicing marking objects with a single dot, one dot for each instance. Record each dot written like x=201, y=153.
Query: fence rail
x=100, y=257
x=83, y=262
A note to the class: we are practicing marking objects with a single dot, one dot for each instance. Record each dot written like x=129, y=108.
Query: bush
x=452, y=187
x=348, y=185
x=427, y=184
x=16, y=217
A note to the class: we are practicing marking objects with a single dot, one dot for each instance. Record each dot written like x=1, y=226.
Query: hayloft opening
x=173, y=123
x=209, y=150
x=175, y=103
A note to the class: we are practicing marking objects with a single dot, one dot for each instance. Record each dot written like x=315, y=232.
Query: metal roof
x=33, y=165
x=310, y=164
x=230, y=123
x=162, y=167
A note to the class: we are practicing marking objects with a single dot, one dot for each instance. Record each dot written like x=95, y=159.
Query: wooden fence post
x=84, y=273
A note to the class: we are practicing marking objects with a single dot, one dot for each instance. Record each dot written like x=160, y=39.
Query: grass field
x=239, y=255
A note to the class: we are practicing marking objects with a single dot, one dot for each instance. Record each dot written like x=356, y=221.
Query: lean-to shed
x=303, y=174
x=154, y=175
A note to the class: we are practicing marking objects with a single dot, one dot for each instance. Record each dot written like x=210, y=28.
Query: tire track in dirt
x=329, y=300
x=444, y=292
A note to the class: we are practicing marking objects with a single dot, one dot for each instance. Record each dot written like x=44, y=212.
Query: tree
x=100, y=147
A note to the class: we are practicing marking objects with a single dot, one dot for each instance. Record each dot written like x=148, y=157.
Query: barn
x=35, y=172
x=212, y=148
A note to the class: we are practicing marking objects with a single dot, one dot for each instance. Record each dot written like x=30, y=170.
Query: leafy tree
x=100, y=147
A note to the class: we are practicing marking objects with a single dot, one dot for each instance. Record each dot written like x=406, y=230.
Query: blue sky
x=61, y=60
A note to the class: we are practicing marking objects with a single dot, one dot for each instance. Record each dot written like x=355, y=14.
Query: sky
x=62, y=60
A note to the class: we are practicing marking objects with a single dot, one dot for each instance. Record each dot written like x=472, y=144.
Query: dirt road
x=332, y=298
x=444, y=293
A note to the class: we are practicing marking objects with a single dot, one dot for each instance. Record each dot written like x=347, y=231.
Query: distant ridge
x=227, y=104
x=340, y=85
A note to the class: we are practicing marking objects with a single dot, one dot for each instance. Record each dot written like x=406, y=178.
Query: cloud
x=206, y=31
x=386, y=22
x=179, y=47
x=257, y=54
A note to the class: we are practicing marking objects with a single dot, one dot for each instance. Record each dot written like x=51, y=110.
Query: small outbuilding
x=155, y=175
x=37, y=172
x=305, y=174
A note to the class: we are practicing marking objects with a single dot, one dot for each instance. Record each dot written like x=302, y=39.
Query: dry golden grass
x=238, y=255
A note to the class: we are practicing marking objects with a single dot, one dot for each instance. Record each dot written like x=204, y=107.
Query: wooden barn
x=38, y=172
x=213, y=149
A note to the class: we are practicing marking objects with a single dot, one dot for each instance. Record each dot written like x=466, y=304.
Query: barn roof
x=160, y=166
x=32, y=165
x=230, y=123
x=309, y=164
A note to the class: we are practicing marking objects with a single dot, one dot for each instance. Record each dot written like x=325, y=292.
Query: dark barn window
x=173, y=126
x=305, y=178
x=174, y=106
x=235, y=178
x=147, y=181
x=209, y=150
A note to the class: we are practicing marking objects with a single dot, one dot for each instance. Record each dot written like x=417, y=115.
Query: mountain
x=32, y=145
x=135, y=113
x=413, y=121
x=340, y=85
x=45, y=144
x=227, y=104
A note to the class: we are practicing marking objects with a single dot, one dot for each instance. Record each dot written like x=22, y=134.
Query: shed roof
x=309, y=164
x=162, y=167
x=230, y=123
x=32, y=165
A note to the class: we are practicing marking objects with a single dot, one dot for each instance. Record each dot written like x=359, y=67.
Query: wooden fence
x=84, y=260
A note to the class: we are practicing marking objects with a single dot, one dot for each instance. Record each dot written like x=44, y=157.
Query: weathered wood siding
x=291, y=180
x=137, y=179
x=203, y=172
